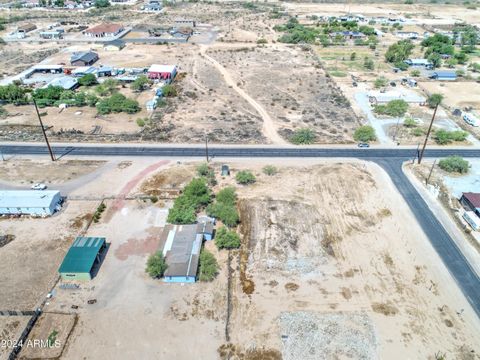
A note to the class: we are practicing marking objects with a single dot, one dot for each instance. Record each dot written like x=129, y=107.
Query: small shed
x=205, y=228
x=225, y=170
x=445, y=75
x=26, y=28
x=104, y=71
x=114, y=45
x=79, y=262
x=151, y=104
x=29, y=202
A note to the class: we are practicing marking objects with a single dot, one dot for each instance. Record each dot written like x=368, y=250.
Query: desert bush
x=364, y=134
x=245, y=177
x=88, y=80
x=409, y=122
x=169, y=91
x=227, y=239
x=380, y=82
x=443, y=137
x=454, y=164
x=303, y=136
x=117, y=103
x=394, y=108
x=208, y=267
x=269, y=170
x=224, y=207
x=195, y=195
x=156, y=265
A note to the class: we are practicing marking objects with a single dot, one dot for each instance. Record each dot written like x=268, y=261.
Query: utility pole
x=430, y=174
x=428, y=134
x=206, y=146
x=43, y=131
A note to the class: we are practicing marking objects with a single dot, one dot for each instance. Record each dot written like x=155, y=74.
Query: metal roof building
x=29, y=202
x=181, y=248
x=448, y=75
x=67, y=83
x=81, y=258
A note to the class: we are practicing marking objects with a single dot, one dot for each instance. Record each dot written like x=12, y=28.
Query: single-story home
x=447, y=75
x=81, y=258
x=164, y=72
x=349, y=34
x=419, y=63
x=65, y=82
x=25, y=28
x=104, y=30
x=84, y=58
x=185, y=22
x=114, y=45
x=471, y=202
x=29, y=202
x=51, y=34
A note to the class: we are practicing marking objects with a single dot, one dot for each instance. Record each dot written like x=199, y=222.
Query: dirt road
x=269, y=129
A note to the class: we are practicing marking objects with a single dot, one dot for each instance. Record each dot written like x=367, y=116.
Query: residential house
x=419, y=63
x=104, y=30
x=51, y=34
x=84, y=58
x=114, y=45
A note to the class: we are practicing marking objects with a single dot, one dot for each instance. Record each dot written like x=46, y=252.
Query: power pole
x=43, y=131
x=430, y=174
x=428, y=134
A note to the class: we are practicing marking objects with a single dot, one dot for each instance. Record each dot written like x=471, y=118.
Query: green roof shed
x=81, y=258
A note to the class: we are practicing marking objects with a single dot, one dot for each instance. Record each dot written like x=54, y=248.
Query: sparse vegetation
x=98, y=213
x=269, y=170
x=169, y=91
x=454, y=164
x=394, y=108
x=364, y=134
x=245, y=177
x=227, y=239
x=117, y=103
x=444, y=137
x=156, y=265
x=303, y=136
x=380, y=82
x=208, y=267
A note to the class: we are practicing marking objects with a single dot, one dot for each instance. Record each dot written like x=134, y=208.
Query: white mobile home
x=29, y=202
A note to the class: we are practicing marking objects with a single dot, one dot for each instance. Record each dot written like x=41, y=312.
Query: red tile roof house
x=104, y=30
x=471, y=201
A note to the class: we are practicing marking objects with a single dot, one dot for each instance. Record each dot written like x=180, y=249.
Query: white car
x=39, y=186
x=470, y=120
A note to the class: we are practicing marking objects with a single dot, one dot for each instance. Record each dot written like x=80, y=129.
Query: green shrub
x=443, y=137
x=364, y=134
x=227, y=196
x=380, y=82
x=368, y=63
x=303, y=136
x=224, y=207
x=418, y=131
x=140, y=83
x=269, y=170
x=262, y=41
x=88, y=80
x=454, y=164
x=226, y=239
x=208, y=267
x=169, y=91
x=434, y=100
x=415, y=73
x=13, y=94
x=399, y=52
x=409, y=122
x=203, y=169
x=156, y=265
x=195, y=195
x=141, y=122
x=245, y=177
x=394, y=108
x=117, y=103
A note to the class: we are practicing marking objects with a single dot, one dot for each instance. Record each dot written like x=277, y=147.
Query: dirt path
x=269, y=128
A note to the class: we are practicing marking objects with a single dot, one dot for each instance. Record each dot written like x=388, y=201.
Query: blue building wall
x=208, y=237
x=179, y=279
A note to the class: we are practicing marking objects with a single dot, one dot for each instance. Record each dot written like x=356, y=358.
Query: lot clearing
x=328, y=268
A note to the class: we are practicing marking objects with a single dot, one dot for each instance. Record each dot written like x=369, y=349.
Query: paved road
x=390, y=159
x=231, y=151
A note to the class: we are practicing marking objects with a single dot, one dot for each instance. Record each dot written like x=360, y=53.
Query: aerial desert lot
x=239, y=180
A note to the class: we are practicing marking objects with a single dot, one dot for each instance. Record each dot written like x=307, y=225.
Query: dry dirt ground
x=332, y=266
x=23, y=172
x=10, y=329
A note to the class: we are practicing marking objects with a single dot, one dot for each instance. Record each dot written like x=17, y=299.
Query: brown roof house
x=471, y=201
x=104, y=30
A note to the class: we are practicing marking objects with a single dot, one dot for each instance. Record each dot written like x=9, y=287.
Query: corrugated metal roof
x=64, y=81
x=81, y=255
x=27, y=198
x=84, y=56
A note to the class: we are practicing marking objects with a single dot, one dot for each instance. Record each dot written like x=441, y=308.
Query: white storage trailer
x=29, y=202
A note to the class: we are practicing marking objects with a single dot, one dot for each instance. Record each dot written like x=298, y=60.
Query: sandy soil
x=10, y=329
x=27, y=171
x=354, y=257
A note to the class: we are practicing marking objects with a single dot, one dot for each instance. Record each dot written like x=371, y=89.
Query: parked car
x=363, y=145
x=38, y=186
x=470, y=120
